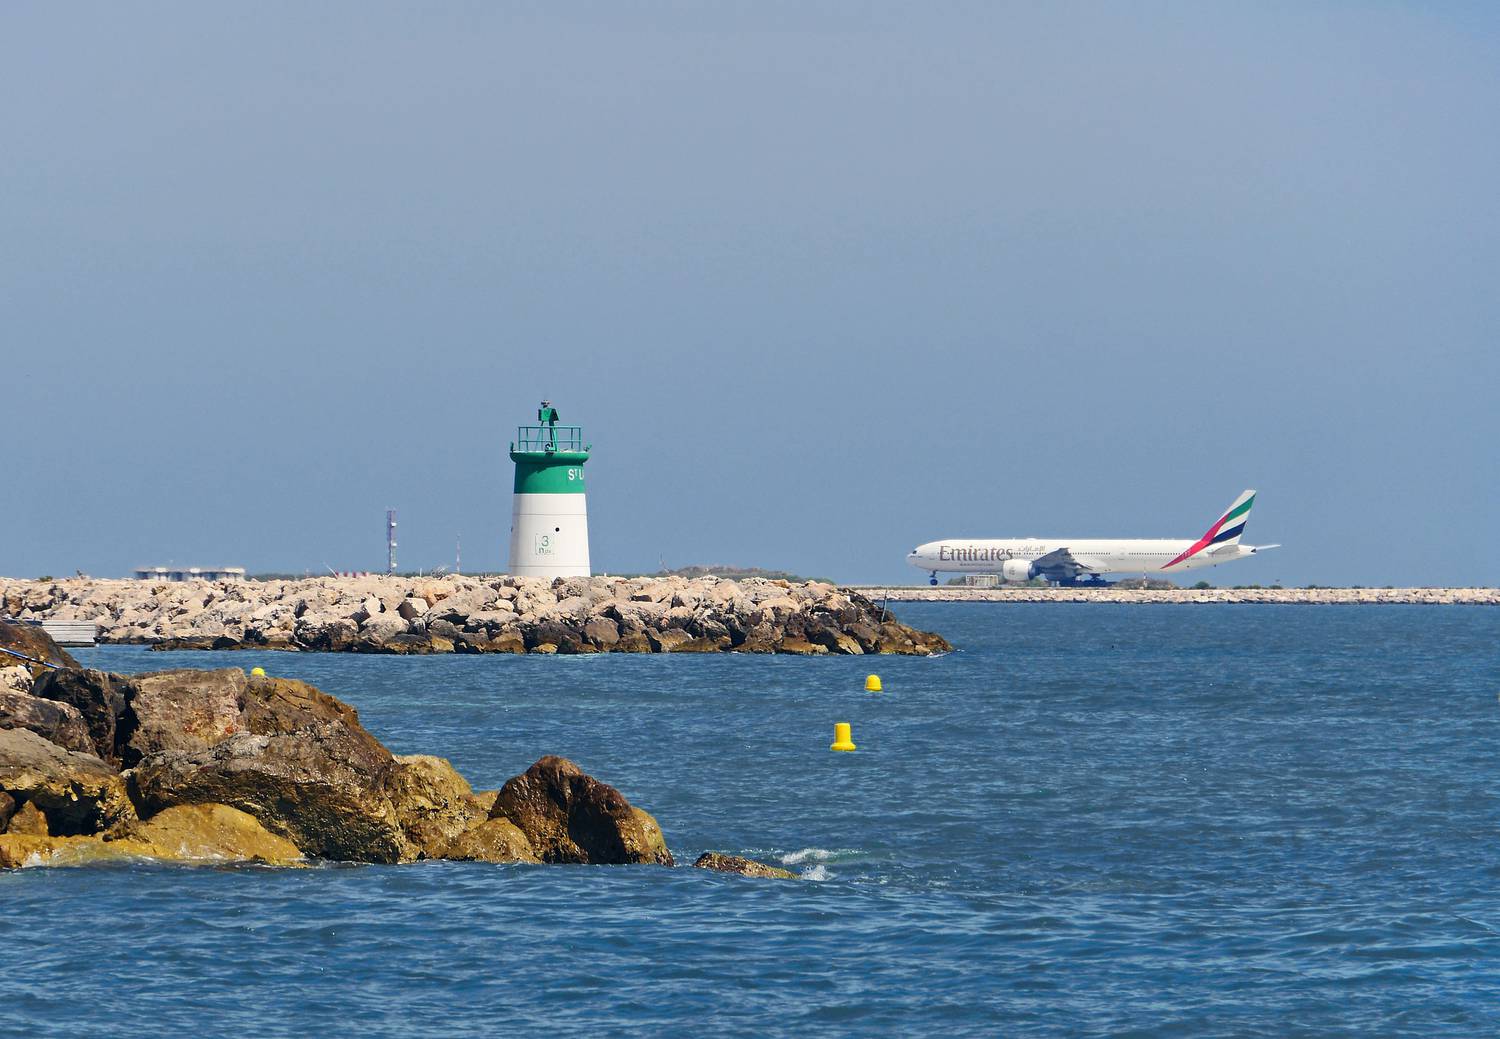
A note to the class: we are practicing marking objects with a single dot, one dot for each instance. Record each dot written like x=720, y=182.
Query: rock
x=668, y=641
x=601, y=631
x=380, y=629
x=411, y=609
x=28, y=819
x=182, y=711
x=30, y=640
x=78, y=793
x=494, y=840
x=206, y=833
x=100, y=697
x=433, y=803
x=744, y=867
x=322, y=787
x=568, y=816
x=15, y=679
x=7, y=809
x=58, y=722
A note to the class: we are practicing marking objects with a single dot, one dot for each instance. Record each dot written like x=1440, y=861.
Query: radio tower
x=390, y=541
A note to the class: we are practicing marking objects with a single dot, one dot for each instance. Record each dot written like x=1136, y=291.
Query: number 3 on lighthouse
x=543, y=544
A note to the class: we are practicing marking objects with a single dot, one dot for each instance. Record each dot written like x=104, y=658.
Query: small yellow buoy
x=258, y=672
x=842, y=738
x=872, y=683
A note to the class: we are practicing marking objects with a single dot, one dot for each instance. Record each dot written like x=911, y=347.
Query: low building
x=192, y=573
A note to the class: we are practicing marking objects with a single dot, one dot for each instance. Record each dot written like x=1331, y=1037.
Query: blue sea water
x=1091, y=820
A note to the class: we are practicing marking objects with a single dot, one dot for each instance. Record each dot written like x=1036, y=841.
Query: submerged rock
x=568, y=816
x=716, y=860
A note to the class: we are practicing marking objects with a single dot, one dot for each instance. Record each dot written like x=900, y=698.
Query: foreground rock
x=78, y=793
x=30, y=641
x=472, y=615
x=201, y=834
x=219, y=766
x=744, y=867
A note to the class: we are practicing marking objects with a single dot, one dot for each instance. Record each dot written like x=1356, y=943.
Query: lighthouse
x=549, y=525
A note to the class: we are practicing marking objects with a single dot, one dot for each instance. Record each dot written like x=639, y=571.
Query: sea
x=1088, y=820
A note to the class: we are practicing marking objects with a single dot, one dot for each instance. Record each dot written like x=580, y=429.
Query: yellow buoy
x=872, y=683
x=258, y=672
x=842, y=738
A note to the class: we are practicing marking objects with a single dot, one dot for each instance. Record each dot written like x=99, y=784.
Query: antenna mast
x=390, y=541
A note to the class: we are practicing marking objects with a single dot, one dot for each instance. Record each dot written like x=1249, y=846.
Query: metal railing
x=549, y=438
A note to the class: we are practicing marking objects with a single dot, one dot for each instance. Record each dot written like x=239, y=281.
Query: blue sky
x=821, y=280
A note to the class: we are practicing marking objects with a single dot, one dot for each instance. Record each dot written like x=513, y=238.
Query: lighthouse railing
x=549, y=438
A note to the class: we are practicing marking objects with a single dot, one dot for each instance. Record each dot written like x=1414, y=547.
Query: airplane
x=1063, y=560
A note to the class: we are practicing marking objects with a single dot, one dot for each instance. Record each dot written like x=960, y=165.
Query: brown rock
x=206, y=833
x=29, y=640
x=601, y=631
x=568, y=816
x=78, y=793
x=183, y=711
x=668, y=641
x=494, y=840
x=744, y=867
x=7, y=809
x=100, y=697
x=323, y=787
x=59, y=722
x=433, y=802
x=29, y=820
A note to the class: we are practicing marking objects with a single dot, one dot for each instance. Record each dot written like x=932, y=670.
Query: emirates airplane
x=1064, y=560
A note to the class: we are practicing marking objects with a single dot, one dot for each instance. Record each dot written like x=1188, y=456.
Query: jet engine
x=1017, y=570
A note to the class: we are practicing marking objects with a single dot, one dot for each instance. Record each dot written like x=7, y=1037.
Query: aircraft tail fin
x=1226, y=531
x=1231, y=525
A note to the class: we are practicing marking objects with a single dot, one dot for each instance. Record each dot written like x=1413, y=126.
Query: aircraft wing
x=1058, y=564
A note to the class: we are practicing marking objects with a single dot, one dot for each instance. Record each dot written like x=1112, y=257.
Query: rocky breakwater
x=477, y=615
x=218, y=766
x=1197, y=596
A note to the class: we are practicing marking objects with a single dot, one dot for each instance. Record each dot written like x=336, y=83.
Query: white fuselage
x=1094, y=555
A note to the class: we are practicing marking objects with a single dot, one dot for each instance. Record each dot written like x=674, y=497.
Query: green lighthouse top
x=548, y=444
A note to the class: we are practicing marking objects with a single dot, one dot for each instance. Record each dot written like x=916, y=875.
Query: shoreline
x=1188, y=596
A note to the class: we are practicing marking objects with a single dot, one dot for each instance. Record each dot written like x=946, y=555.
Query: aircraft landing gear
x=932, y=579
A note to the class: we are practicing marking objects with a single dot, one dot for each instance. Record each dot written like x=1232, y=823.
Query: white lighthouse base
x=549, y=535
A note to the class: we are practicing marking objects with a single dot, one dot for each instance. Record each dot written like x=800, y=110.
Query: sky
x=820, y=280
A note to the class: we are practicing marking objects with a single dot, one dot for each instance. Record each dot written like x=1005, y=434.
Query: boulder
x=182, y=711
x=15, y=679
x=30, y=641
x=59, y=722
x=78, y=793
x=28, y=819
x=100, y=697
x=601, y=631
x=322, y=787
x=716, y=860
x=568, y=816
x=494, y=840
x=7, y=809
x=206, y=833
x=433, y=803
